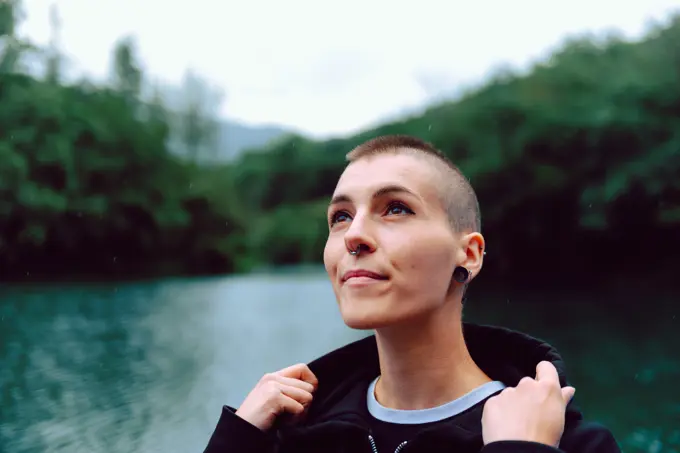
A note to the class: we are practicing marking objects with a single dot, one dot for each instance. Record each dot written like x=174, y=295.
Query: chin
x=368, y=314
x=363, y=323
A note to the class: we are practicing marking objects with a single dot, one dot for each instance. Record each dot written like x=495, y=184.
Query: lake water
x=145, y=367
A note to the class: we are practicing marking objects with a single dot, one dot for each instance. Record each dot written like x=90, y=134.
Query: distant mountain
x=235, y=138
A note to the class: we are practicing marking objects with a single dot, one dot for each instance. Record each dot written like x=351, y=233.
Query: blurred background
x=165, y=169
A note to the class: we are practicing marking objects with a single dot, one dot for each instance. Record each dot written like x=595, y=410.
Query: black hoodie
x=337, y=421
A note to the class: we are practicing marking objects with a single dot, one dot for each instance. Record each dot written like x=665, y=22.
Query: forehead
x=370, y=173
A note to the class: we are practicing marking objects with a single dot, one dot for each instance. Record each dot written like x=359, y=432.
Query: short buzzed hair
x=457, y=196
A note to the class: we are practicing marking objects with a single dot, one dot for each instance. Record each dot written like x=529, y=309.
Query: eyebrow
x=387, y=190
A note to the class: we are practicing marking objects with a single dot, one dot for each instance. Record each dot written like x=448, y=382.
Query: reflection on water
x=146, y=367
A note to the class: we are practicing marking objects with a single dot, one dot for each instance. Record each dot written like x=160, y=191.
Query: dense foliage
x=575, y=163
x=87, y=182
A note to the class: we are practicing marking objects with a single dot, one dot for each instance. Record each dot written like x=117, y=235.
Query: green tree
x=54, y=58
x=127, y=76
x=12, y=48
x=196, y=126
x=88, y=185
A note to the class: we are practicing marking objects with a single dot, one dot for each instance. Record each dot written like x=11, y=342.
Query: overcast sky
x=329, y=67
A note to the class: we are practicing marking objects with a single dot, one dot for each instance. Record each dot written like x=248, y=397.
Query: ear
x=472, y=252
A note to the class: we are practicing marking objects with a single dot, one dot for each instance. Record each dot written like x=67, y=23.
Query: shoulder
x=588, y=437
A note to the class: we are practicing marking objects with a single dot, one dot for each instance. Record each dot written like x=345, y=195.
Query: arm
x=235, y=435
x=583, y=438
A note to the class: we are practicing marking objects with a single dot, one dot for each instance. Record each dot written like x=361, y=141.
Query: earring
x=460, y=274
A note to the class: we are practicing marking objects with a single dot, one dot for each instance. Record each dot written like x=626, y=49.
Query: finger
x=301, y=396
x=525, y=381
x=568, y=394
x=291, y=406
x=293, y=412
x=295, y=383
x=300, y=371
x=546, y=371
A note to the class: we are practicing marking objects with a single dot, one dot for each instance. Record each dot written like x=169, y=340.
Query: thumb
x=568, y=394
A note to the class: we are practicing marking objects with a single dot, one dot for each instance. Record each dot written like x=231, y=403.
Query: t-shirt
x=391, y=427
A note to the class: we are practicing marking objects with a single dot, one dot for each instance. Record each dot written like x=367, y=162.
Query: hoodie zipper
x=374, y=448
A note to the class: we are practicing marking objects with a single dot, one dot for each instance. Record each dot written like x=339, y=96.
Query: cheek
x=330, y=256
x=426, y=264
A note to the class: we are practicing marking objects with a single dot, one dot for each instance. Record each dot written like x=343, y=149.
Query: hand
x=285, y=391
x=534, y=411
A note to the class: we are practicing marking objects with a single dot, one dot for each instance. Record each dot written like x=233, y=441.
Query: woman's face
x=390, y=205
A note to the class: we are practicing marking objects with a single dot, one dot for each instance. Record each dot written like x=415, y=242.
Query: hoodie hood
x=338, y=420
x=344, y=374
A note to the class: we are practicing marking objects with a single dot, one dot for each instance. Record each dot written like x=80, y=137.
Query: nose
x=359, y=235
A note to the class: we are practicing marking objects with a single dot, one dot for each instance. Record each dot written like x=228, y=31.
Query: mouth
x=363, y=275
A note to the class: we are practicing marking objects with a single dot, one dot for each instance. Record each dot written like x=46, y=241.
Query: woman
x=403, y=244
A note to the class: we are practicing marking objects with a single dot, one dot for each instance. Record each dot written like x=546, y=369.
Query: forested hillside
x=576, y=164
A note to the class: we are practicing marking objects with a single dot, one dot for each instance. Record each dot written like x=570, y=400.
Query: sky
x=329, y=68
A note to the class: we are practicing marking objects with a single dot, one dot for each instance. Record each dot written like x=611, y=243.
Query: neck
x=426, y=363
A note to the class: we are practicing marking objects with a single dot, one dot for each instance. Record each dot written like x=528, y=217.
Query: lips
x=357, y=273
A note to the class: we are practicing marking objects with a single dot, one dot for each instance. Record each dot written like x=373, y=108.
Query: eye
x=338, y=216
x=398, y=208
